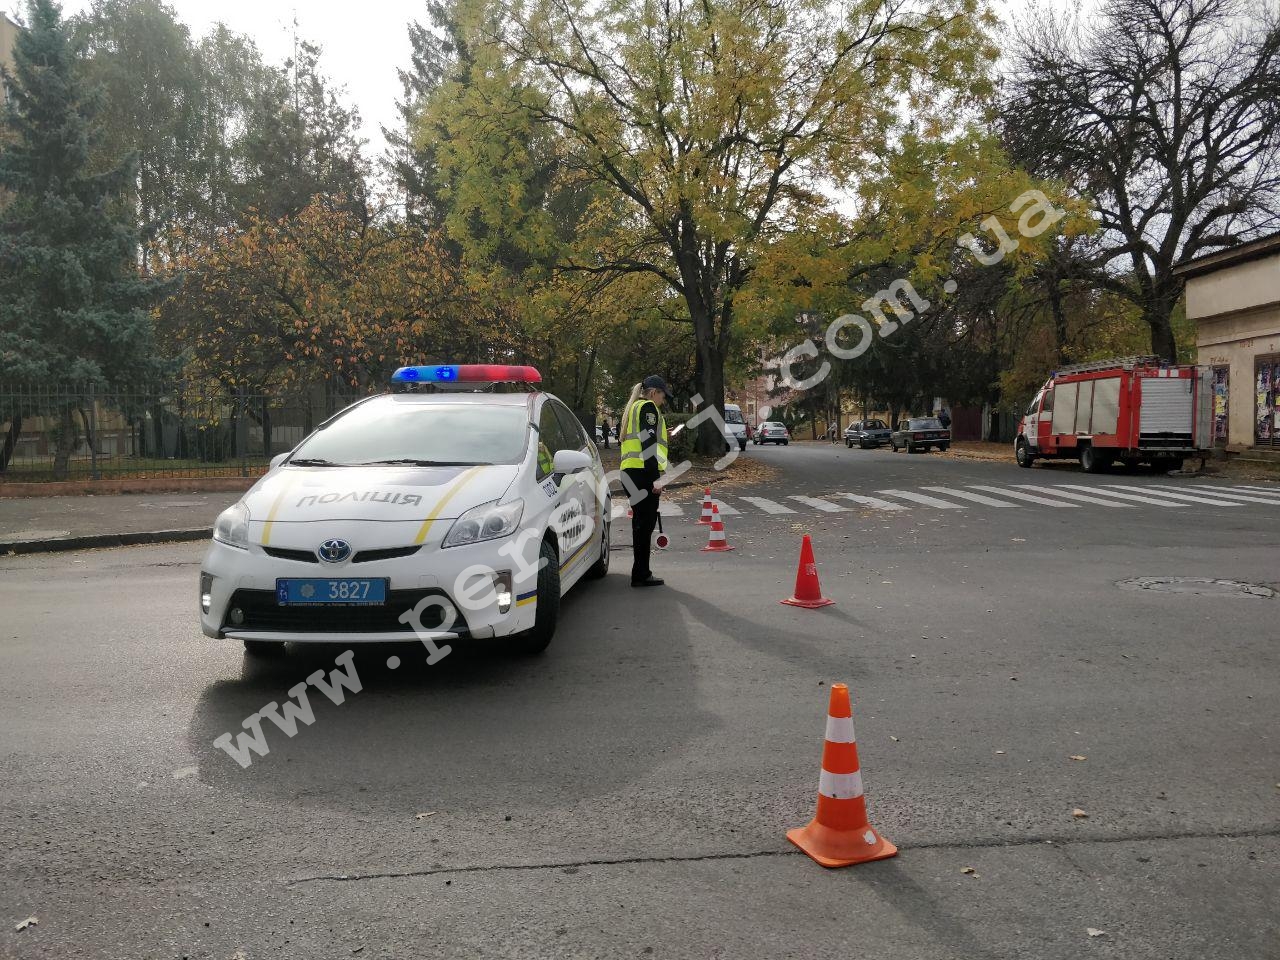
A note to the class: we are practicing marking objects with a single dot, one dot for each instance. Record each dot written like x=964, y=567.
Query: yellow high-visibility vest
x=632, y=452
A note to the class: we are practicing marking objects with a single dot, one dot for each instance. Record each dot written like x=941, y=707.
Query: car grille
x=364, y=556
x=262, y=612
x=302, y=556
x=387, y=553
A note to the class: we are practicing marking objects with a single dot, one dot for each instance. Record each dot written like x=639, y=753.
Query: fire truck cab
x=1132, y=410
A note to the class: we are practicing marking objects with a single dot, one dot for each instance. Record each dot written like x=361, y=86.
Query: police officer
x=644, y=458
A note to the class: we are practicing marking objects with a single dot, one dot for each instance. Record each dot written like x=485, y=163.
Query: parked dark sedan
x=867, y=433
x=920, y=433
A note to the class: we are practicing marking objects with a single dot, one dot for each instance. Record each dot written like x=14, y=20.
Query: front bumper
x=240, y=588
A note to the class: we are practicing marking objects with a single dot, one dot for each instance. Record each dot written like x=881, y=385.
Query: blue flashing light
x=439, y=374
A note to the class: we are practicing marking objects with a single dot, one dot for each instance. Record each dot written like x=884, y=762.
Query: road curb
x=103, y=540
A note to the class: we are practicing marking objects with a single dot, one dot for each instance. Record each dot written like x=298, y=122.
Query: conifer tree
x=73, y=304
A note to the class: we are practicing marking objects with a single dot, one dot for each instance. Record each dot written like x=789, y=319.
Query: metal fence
x=184, y=431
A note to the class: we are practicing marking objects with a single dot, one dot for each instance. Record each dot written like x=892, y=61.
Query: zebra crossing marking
x=1125, y=496
x=1029, y=497
x=1229, y=495
x=1069, y=495
x=968, y=495
x=826, y=506
x=771, y=507
x=1192, y=498
x=871, y=502
x=921, y=498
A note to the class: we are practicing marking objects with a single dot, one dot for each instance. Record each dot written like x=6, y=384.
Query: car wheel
x=742, y=444
x=601, y=567
x=1022, y=453
x=264, y=648
x=911, y=447
x=943, y=447
x=785, y=442
x=1091, y=461
x=849, y=444
x=548, y=605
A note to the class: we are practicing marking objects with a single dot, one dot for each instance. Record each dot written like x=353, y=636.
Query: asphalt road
x=627, y=794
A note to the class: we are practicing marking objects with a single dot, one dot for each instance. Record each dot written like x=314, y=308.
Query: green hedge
x=679, y=447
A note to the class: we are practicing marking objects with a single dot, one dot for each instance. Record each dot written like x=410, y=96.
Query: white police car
x=416, y=512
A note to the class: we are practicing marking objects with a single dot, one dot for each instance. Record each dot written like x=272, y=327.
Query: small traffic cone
x=808, y=591
x=706, y=506
x=716, y=543
x=839, y=834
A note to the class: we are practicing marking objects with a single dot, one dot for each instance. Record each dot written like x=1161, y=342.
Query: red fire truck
x=1132, y=409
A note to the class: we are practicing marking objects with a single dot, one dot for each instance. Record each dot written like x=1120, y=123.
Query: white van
x=735, y=428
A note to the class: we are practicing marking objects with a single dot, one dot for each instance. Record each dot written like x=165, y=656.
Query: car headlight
x=232, y=526
x=488, y=521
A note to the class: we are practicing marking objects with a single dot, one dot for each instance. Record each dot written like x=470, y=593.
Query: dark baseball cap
x=655, y=382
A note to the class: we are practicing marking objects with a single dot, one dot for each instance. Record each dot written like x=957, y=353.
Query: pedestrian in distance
x=944, y=418
x=643, y=461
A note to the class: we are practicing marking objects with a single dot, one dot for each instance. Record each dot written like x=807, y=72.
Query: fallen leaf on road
x=1095, y=932
x=969, y=870
x=423, y=816
x=29, y=922
x=1078, y=756
x=999, y=753
x=183, y=772
x=894, y=739
x=1078, y=813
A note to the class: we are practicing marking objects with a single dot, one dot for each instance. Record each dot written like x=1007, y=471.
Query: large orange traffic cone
x=706, y=506
x=716, y=542
x=808, y=591
x=839, y=834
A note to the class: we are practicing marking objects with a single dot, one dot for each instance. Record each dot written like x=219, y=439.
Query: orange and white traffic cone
x=839, y=834
x=706, y=506
x=808, y=591
x=716, y=542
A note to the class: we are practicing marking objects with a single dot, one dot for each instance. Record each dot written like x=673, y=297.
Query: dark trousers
x=644, y=518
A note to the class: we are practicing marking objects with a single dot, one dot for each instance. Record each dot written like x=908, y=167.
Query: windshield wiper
x=410, y=461
x=315, y=462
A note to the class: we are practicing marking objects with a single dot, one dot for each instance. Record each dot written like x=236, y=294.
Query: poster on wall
x=1265, y=403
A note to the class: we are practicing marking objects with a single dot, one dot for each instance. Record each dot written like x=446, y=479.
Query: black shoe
x=649, y=581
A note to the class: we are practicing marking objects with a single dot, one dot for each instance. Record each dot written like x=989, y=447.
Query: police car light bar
x=467, y=373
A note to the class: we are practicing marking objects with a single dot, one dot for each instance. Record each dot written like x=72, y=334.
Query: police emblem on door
x=334, y=550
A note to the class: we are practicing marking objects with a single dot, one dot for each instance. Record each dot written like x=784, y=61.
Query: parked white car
x=473, y=511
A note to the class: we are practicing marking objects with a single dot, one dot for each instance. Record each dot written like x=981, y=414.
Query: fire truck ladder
x=1127, y=363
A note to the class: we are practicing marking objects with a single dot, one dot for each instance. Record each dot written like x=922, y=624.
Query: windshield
x=455, y=433
x=873, y=425
x=926, y=424
x=732, y=416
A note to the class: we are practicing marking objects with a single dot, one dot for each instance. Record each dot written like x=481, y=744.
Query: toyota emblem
x=334, y=550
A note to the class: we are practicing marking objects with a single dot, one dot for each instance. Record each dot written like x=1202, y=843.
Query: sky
x=361, y=51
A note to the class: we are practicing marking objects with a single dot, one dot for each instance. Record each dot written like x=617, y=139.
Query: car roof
x=460, y=397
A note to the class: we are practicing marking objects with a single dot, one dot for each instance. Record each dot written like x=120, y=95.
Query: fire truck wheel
x=1092, y=461
x=1022, y=453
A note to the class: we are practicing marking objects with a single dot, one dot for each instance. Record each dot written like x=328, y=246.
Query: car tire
x=944, y=447
x=785, y=442
x=547, y=610
x=600, y=568
x=911, y=447
x=742, y=445
x=264, y=648
x=1022, y=453
x=1091, y=461
x=849, y=444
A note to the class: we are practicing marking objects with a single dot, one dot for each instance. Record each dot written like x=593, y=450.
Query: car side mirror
x=279, y=458
x=570, y=461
